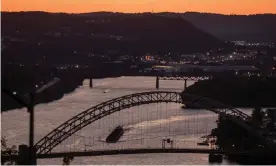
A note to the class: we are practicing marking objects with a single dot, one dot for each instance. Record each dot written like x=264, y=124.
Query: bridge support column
x=90, y=83
x=215, y=158
x=157, y=82
x=185, y=83
x=24, y=156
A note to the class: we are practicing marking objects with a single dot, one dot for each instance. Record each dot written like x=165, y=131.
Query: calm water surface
x=151, y=122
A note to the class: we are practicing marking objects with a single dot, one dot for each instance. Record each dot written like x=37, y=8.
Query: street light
x=31, y=111
x=30, y=107
x=48, y=85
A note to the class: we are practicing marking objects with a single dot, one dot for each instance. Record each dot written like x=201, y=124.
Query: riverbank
x=68, y=83
x=231, y=137
x=238, y=92
x=65, y=86
x=23, y=79
x=261, y=159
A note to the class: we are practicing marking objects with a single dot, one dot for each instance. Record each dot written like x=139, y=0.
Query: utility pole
x=157, y=82
x=31, y=129
x=30, y=109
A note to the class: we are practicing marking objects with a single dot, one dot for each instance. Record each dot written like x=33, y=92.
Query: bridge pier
x=90, y=83
x=24, y=156
x=185, y=83
x=215, y=158
x=157, y=82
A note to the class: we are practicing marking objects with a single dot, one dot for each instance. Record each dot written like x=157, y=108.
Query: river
x=152, y=122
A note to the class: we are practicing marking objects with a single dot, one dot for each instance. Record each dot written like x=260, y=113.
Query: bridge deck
x=127, y=151
x=141, y=151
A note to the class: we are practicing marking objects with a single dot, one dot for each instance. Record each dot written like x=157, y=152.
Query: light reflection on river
x=49, y=116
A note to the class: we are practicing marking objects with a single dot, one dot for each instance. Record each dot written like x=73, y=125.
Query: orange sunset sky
x=133, y=6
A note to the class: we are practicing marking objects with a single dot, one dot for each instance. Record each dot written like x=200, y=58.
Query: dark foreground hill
x=238, y=92
x=259, y=27
x=62, y=36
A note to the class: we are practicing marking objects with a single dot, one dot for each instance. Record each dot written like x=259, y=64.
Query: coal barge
x=115, y=135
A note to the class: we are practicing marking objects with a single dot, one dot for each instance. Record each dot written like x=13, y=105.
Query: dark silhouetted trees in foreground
x=232, y=137
x=238, y=91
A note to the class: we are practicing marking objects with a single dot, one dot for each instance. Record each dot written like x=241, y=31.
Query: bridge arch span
x=78, y=122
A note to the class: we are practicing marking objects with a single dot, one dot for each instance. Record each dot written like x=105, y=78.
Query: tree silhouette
x=6, y=151
x=257, y=116
x=67, y=160
x=230, y=136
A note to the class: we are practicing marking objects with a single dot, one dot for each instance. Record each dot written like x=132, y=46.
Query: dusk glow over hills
x=134, y=6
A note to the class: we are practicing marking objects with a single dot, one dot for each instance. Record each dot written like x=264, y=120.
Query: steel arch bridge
x=78, y=122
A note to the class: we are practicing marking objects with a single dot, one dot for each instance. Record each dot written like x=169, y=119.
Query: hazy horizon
x=141, y=12
x=226, y=7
